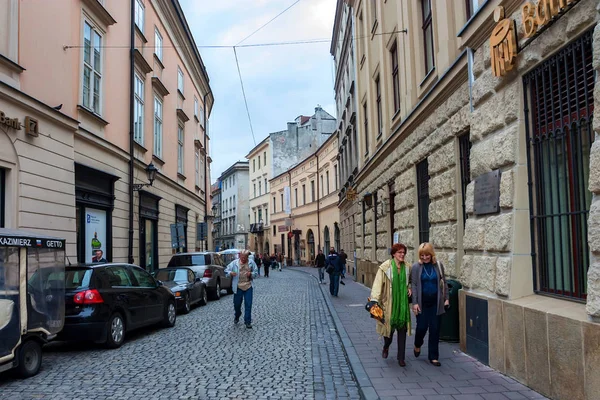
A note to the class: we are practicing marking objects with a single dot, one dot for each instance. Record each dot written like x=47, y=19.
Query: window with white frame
x=196, y=106
x=158, y=125
x=266, y=190
x=180, y=80
x=139, y=15
x=138, y=110
x=180, y=149
x=158, y=45
x=259, y=188
x=92, y=68
x=197, y=165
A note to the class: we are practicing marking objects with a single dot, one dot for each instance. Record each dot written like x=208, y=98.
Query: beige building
x=476, y=133
x=304, y=213
x=259, y=160
x=88, y=116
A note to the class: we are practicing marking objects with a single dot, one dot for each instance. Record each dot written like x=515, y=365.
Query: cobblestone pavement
x=292, y=352
x=459, y=378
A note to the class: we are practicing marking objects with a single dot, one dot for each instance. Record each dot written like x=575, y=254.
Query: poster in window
x=95, y=235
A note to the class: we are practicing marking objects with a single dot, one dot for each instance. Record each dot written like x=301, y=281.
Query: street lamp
x=151, y=171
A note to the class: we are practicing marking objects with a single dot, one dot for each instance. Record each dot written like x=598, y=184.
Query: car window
x=218, y=259
x=189, y=260
x=118, y=276
x=77, y=278
x=143, y=278
x=191, y=276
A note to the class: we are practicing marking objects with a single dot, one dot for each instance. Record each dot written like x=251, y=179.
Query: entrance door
x=149, y=245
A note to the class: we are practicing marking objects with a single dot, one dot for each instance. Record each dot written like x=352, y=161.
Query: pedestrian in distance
x=343, y=258
x=258, y=261
x=430, y=298
x=333, y=267
x=320, y=264
x=267, y=264
x=391, y=290
x=243, y=271
x=280, y=261
x=273, y=261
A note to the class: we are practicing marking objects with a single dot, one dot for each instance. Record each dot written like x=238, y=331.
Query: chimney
x=292, y=128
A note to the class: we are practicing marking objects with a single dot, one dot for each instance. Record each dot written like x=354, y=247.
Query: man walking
x=320, y=263
x=243, y=271
x=334, y=269
x=343, y=258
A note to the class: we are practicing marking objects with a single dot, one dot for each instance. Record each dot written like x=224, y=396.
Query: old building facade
x=259, y=160
x=235, y=209
x=478, y=135
x=217, y=231
x=77, y=164
x=304, y=213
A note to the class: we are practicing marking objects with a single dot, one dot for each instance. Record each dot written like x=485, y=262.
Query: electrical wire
x=272, y=19
x=244, y=94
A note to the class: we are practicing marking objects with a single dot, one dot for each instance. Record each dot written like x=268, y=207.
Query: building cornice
x=262, y=145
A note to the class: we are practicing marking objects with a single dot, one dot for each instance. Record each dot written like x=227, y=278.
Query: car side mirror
x=159, y=283
x=198, y=279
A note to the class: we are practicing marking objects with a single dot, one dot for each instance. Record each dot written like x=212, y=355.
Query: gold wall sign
x=31, y=124
x=351, y=194
x=536, y=16
x=503, y=44
x=9, y=122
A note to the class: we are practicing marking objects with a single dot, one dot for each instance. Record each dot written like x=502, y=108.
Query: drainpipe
x=131, y=117
x=205, y=169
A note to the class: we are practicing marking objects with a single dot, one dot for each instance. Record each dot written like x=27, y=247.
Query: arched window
x=310, y=239
x=336, y=237
x=327, y=240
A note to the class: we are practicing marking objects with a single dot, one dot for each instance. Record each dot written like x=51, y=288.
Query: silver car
x=209, y=266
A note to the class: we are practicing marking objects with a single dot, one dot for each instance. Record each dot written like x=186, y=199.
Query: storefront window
x=149, y=231
x=181, y=218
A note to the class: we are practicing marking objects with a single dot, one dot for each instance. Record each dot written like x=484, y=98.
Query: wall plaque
x=487, y=193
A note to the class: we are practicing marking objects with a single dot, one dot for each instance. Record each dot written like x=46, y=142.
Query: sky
x=281, y=82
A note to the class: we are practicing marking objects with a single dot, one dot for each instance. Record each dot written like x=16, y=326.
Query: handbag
x=375, y=310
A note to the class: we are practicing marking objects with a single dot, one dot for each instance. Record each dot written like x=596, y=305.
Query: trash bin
x=449, y=331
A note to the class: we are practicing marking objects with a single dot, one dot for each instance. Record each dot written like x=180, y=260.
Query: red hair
x=396, y=247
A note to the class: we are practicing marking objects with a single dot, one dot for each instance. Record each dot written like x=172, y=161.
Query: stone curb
x=365, y=386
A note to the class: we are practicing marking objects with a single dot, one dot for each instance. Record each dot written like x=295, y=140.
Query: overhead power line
x=244, y=94
x=271, y=20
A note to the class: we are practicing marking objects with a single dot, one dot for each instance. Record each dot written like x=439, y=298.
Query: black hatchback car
x=104, y=301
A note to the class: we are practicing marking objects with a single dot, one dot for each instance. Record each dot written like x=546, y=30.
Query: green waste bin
x=449, y=331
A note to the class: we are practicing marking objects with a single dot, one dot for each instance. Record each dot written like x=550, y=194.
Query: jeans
x=245, y=296
x=401, y=339
x=334, y=283
x=344, y=271
x=428, y=320
x=266, y=271
x=321, y=274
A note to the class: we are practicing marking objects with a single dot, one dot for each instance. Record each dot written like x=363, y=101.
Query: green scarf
x=400, y=312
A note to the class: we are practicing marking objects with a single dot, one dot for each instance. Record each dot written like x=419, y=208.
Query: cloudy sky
x=281, y=82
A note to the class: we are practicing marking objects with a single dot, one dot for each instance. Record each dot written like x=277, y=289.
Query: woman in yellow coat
x=391, y=291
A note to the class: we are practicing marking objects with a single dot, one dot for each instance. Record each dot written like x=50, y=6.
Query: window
x=180, y=80
x=118, y=276
x=158, y=136
x=158, y=45
x=374, y=11
x=560, y=96
x=395, y=76
x=274, y=230
x=255, y=190
x=335, y=173
x=92, y=68
x=180, y=141
x=258, y=162
x=423, y=200
x=138, y=111
x=264, y=158
x=143, y=278
x=139, y=15
x=266, y=190
x=379, y=111
x=472, y=6
x=197, y=165
x=464, y=144
x=366, y=124
x=303, y=194
x=427, y=35
x=327, y=180
x=259, y=188
x=361, y=38
x=282, y=208
x=254, y=165
x=260, y=219
x=296, y=196
x=312, y=190
x=255, y=217
x=322, y=187
x=274, y=205
x=196, y=106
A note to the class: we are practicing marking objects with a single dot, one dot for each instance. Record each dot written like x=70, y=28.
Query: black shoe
x=248, y=326
x=236, y=320
x=342, y=282
x=417, y=353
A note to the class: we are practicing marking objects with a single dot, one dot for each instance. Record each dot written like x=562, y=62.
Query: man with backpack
x=333, y=267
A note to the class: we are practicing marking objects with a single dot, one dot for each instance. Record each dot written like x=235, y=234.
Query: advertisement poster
x=95, y=235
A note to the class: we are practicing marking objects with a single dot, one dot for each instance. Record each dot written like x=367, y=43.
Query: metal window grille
x=559, y=107
x=464, y=143
x=423, y=200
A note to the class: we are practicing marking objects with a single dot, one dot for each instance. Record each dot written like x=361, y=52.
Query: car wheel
x=170, y=315
x=30, y=359
x=204, y=298
x=187, y=305
x=115, y=335
x=217, y=292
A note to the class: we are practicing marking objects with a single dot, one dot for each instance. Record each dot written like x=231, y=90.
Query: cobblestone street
x=292, y=352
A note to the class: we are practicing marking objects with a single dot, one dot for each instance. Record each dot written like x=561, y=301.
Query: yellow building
x=304, y=214
x=476, y=129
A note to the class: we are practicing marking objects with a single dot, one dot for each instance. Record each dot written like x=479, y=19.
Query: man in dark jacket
x=320, y=263
x=333, y=266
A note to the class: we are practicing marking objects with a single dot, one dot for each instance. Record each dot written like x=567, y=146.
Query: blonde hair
x=427, y=249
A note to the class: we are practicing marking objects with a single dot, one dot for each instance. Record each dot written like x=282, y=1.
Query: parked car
x=233, y=254
x=105, y=301
x=186, y=284
x=210, y=266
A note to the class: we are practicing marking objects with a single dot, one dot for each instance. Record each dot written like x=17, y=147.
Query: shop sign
x=95, y=233
x=503, y=44
x=31, y=124
x=536, y=16
x=283, y=228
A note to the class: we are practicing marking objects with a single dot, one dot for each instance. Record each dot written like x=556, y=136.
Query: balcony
x=256, y=228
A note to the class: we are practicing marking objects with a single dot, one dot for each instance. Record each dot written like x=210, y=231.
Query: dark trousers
x=428, y=320
x=266, y=271
x=400, y=338
x=334, y=283
x=245, y=296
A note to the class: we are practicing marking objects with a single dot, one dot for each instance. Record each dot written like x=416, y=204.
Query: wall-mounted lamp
x=151, y=171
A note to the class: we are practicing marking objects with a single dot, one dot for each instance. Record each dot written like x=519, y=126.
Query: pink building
x=84, y=115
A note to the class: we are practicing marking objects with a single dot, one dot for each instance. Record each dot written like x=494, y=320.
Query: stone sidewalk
x=459, y=378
